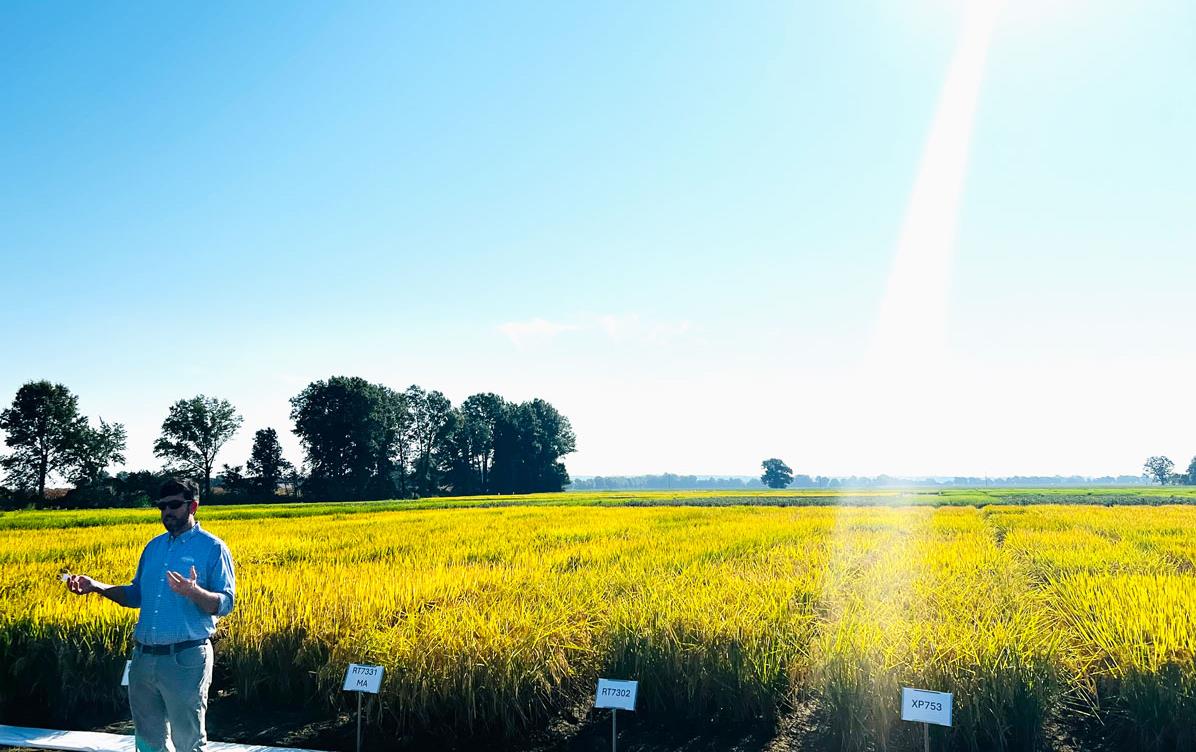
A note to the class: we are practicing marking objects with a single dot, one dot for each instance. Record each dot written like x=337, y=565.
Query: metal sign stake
x=616, y=695
x=359, y=721
x=926, y=735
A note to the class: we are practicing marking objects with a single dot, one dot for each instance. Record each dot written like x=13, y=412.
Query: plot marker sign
x=362, y=680
x=359, y=678
x=926, y=706
x=616, y=695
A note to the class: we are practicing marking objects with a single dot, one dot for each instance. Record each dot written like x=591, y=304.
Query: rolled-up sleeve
x=222, y=580
x=133, y=589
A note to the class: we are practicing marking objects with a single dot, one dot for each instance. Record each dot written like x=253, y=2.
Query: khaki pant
x=168, y=695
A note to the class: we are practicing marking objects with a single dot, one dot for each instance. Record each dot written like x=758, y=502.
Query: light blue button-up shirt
x=167, y=617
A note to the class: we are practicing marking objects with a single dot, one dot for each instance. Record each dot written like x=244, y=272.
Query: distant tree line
x=361, y=441
x=662, y=482
x=671, y=481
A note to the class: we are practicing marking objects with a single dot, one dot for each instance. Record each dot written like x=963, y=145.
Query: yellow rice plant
x=1120, y=587
x=500, y=619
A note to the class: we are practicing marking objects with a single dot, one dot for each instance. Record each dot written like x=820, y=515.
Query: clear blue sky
x=676, y=222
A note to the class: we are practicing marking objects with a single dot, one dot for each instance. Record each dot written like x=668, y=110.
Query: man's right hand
x=81, y=584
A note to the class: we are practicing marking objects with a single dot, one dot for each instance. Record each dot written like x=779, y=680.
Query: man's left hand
x=186, y=587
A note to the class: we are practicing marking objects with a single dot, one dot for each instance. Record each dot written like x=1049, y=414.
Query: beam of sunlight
x=905, y=380
x=913, y=314
x=906, y=387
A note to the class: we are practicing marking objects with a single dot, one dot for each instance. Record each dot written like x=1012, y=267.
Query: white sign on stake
x=617, y=695
x=359, y=678
x=926, y=706
x=124, y=680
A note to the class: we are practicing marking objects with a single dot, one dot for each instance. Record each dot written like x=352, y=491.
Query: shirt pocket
x=201, y=576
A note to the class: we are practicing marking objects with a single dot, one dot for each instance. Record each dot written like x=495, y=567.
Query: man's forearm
x=207, y=601
x=114, y=593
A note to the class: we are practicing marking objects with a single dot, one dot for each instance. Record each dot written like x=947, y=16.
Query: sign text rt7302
x=614, y=694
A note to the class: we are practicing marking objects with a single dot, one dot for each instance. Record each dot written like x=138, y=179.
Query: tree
x=429, y=421
x=480, y=414
x=454, y=458
x=139, y=487
x=193, y=433
x=402, y=452
x=266, y=465
x=551, y=439
x=529, y=441
x=43, y=427
x=94, y=451
x=349, y=431
x=233, y=482
x=776, y=473
x=293, y=480
x=1192, y=472
x=466, y=450
x=1159, y=469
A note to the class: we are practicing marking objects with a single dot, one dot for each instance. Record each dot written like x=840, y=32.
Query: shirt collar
x=187, y=535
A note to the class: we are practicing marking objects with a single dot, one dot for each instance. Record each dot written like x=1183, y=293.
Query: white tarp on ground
x=95, y=741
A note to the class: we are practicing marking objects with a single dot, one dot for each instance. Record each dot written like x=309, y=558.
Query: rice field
x=499, y=619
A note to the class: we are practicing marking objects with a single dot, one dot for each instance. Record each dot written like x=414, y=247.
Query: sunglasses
x=171, y=505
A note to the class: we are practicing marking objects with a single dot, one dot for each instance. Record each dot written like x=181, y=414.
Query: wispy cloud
x=619, y=326
x=526, y=333
x=631, y=327
x=668, y=330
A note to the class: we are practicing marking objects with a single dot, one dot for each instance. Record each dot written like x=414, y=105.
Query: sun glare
x=908, y=388
x=913, y=313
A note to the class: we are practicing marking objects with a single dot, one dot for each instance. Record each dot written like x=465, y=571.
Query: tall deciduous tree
x=776, y=473
x=1192, y=472
x=403, y=448
x=529, y=442
x=455, y=458
x=1159, y=468
x=467, y=448
x=429, y=422
x=42, y=428
x=266, y=465
x=94, y=451
x=348, y=428
x=480, y=415
x=193, y=433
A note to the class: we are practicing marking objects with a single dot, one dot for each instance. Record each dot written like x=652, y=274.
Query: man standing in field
x=184, y=581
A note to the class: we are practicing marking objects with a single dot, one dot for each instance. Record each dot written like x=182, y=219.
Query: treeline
x=662, y=482
x=1039, y=481
x=361, y=441
x=367, y=441
x=671, y=481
